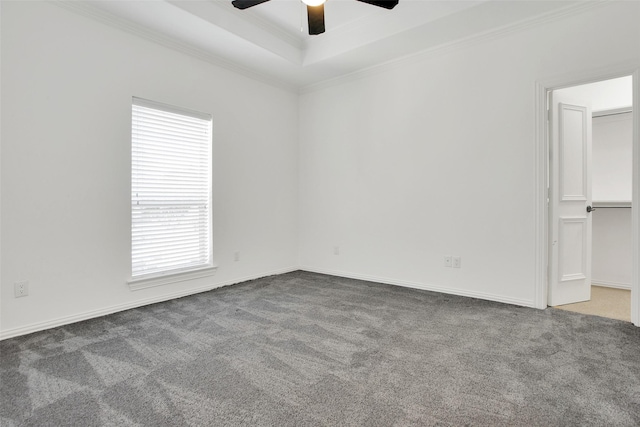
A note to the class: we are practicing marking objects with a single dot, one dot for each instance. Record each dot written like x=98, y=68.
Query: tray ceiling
x=266, y=41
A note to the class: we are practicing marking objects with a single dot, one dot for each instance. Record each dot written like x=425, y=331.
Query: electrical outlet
x=447, y=261
x=336, y=250
x=457, y=262
x=21, y=289
x=236, y=256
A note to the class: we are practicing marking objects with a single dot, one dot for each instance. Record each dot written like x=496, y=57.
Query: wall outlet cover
x=457, y=262
x=21, y=289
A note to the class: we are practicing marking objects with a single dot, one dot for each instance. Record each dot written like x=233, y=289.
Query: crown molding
x=467, y=41
x=87, y=10
x=245, y=25
x=254, y=19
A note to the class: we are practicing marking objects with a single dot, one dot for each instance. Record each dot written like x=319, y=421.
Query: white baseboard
x=66, y=320
x=607, y=284
x=424, y=287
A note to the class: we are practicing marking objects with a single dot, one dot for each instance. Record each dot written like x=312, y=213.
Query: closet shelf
x=612, y=203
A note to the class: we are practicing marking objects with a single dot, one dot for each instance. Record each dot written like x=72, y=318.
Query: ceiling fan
x=315, y=10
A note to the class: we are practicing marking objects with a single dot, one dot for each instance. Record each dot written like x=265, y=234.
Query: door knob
x=590, y=209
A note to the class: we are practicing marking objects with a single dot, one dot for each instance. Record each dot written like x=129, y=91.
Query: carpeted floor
x=605, y=302
x=304, y=349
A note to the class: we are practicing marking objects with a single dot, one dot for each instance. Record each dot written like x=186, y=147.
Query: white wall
x=612, y=154
x=611, y=181
x=434, y=156
x=67, y=83
x=611, y=243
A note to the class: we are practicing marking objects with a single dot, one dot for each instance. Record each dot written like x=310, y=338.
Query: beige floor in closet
x=605, y=302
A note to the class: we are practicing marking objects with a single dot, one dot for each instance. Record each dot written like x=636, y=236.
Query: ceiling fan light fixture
x=313, y=3
x=315, y=10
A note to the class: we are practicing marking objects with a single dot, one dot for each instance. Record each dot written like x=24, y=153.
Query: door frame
x=541, y=169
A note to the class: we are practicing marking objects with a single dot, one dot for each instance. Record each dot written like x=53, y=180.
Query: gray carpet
x=307, y=349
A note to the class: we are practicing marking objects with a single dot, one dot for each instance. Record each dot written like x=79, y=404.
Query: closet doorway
x=591, y=177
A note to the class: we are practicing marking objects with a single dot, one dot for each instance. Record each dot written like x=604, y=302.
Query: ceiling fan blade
x=390, y=4
x=244, y=4
x=315, y=16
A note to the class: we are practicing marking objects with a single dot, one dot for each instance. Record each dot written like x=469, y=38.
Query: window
x=170, y=190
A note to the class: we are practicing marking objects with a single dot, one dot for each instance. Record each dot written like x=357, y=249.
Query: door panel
x=572, y=141
x=569, y=196
x=572, y=233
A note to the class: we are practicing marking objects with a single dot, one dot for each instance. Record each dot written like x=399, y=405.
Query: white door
x=569, y=201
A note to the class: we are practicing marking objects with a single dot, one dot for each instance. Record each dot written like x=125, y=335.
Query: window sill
x=150, y=282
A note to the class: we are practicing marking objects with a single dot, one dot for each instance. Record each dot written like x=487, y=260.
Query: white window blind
x=170, y=189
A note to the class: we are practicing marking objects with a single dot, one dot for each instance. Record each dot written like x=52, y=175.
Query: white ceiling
x=265, y=41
